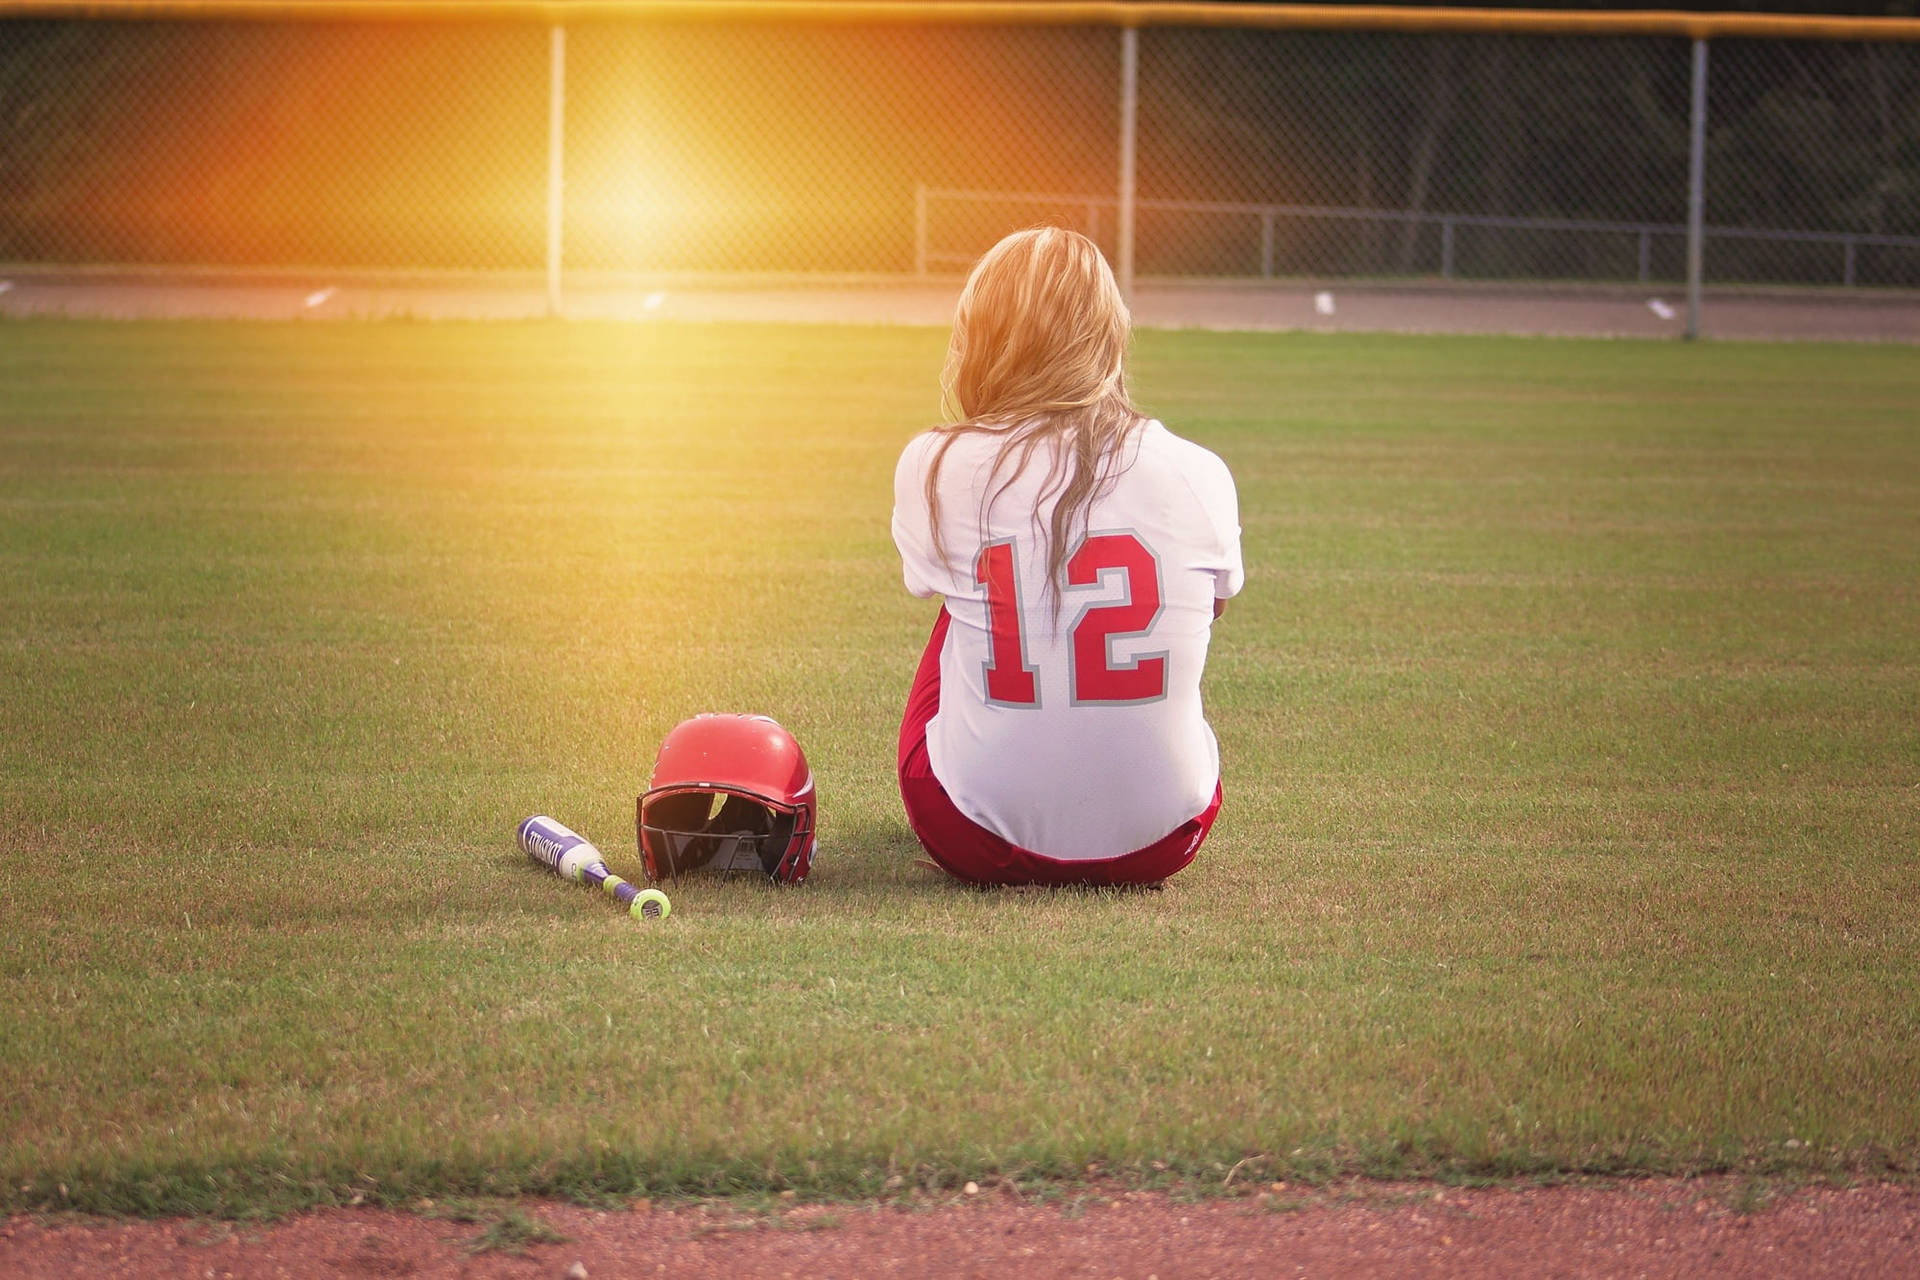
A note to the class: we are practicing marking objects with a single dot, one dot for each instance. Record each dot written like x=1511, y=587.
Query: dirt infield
x=1712, y=1227
x=1570, y=311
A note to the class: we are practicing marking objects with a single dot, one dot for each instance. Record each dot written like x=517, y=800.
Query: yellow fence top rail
x=1117, y=13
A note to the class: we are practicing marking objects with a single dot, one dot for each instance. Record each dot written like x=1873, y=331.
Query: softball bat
x=571, y=856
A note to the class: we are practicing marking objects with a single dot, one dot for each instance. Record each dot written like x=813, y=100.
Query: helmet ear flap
x=640, y=838
x=796, y=858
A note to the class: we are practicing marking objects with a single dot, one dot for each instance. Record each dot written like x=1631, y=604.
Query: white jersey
x=1075, y=734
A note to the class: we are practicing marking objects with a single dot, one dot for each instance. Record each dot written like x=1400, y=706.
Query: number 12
x=1095, y=679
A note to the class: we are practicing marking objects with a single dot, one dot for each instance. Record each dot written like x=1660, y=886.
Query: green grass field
x=1571, y=724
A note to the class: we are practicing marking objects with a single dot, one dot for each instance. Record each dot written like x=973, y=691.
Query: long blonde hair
x=1038, y=356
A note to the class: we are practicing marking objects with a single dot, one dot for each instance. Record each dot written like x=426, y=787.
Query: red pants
x=970, y=852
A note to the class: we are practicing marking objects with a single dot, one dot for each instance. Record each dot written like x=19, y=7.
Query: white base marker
x=319, y=296
x=1323, y=303
x=1660, y=308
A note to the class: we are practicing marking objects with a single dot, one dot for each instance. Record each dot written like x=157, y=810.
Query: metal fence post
x=1697, y=189
x=1446, y=248
x=1266, y=244
x=1129, y=112
x=556, y=146
x=920, y=230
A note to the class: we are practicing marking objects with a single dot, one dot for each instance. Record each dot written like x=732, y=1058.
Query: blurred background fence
x=900, y=141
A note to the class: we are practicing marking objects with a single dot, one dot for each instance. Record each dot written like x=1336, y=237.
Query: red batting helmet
x=729, y=792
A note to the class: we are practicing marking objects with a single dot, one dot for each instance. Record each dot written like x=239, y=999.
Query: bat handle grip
x=622, y=892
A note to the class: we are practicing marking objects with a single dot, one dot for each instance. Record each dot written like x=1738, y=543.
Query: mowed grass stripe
x=1569, y=724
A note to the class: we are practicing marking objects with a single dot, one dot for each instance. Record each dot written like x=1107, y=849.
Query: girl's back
x=1070, y=721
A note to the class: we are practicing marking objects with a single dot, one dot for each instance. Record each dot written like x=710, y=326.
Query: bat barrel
x=556, y=846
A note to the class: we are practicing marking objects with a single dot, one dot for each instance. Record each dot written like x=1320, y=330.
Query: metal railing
x=1265, y=218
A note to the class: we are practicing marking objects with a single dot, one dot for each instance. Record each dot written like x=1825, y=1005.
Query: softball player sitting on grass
x=1053, y=733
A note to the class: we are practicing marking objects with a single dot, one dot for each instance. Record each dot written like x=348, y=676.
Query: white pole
x=1129, y=111
x=1697, y=189
x=920, y=230
x=556, y=148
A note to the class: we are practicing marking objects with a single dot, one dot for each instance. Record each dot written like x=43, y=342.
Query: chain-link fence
x=262, y=144
x=903, y=148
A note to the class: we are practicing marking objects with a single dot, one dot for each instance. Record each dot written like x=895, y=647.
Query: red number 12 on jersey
x=1010, y=681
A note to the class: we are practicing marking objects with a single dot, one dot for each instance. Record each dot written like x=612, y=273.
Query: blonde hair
x=1038, y=356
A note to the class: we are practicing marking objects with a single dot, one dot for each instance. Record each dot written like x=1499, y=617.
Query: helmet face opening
x=718, y=830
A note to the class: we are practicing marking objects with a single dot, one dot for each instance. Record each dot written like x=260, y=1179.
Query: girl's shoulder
x=919, y=451
x=950, y=451
x=919, y=445
x=1165, y=449
x=951, y=445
